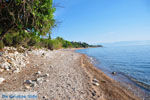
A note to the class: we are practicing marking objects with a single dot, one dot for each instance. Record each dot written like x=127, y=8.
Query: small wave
x=139, y=83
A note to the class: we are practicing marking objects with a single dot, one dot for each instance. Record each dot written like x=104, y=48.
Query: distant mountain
x=127, y=43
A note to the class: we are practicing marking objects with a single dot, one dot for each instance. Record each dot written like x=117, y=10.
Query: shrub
x=8, y=40
x=56, y=44
x=50, y=45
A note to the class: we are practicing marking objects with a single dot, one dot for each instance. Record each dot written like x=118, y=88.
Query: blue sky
x=97, y=21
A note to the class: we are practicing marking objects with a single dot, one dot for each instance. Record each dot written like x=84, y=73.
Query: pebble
x=114, y=73
x=45, y=97
x=5, y=66
x=2, y=80
x=46, y=75
x=1, y=70
x=39, y=73
x=30, y=83
x=39, y=80
x=95, y=82
x=94, y=93
x=17, y=70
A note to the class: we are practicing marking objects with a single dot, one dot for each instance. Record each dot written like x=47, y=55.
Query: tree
x=34, y=16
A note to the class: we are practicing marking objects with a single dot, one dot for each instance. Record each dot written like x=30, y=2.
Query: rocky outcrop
x=12, y=60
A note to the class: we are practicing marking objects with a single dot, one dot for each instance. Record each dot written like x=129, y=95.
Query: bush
x=50, y=45
x=56, y=44
x=8, y=40
x=67, y=44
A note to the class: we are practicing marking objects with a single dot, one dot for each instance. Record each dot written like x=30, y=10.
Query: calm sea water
x=131, y=61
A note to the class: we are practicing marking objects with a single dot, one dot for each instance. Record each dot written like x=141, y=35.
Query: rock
x=114, y=73
x=95, y=80
x=29, y=83
x=43, y=54
x=12, y=59
x=1, y=53
x=17, y=70
x=45, y=97
x=5, y=66
x=95, y=83
x=27, y=86
x=94, y=93
x=46, y=75
x=2, y=80
x=38, y=73
x=25, y=54
x=46, y=80
x=27, y=62
x=1, y=70
x=22, y=64
x=39, y=80
x=51, y=66
x=16, y=53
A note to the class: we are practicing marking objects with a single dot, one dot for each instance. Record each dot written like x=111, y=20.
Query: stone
x=46, y=80
x=25, y=54
x=94, y=93
x=95, y=80
x=1, y=53
x=51, y=66
x=27, y=62
x=46, y=75
x=17, y=70
x=45, y=97
x=114, y=73
x=30, y=83
x=38, y=73
x=95, y=83
x=27, y=86
x=43, y=54
x=1, y=70
x=39, y=80
x=1, y=80
x=5, y=66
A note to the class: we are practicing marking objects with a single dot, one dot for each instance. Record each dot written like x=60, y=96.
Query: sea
x=131, y=64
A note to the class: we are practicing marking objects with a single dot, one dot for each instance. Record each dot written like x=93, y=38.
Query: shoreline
x=124, y=81
x=117, y=91
x=63, y=75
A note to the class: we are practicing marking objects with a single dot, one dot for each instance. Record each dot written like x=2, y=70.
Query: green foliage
x=8, y=40
x=35, y=16
x=46, y=43
x=57, y=44
x=34, y=41
x=80, y=45
x=67, y=44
